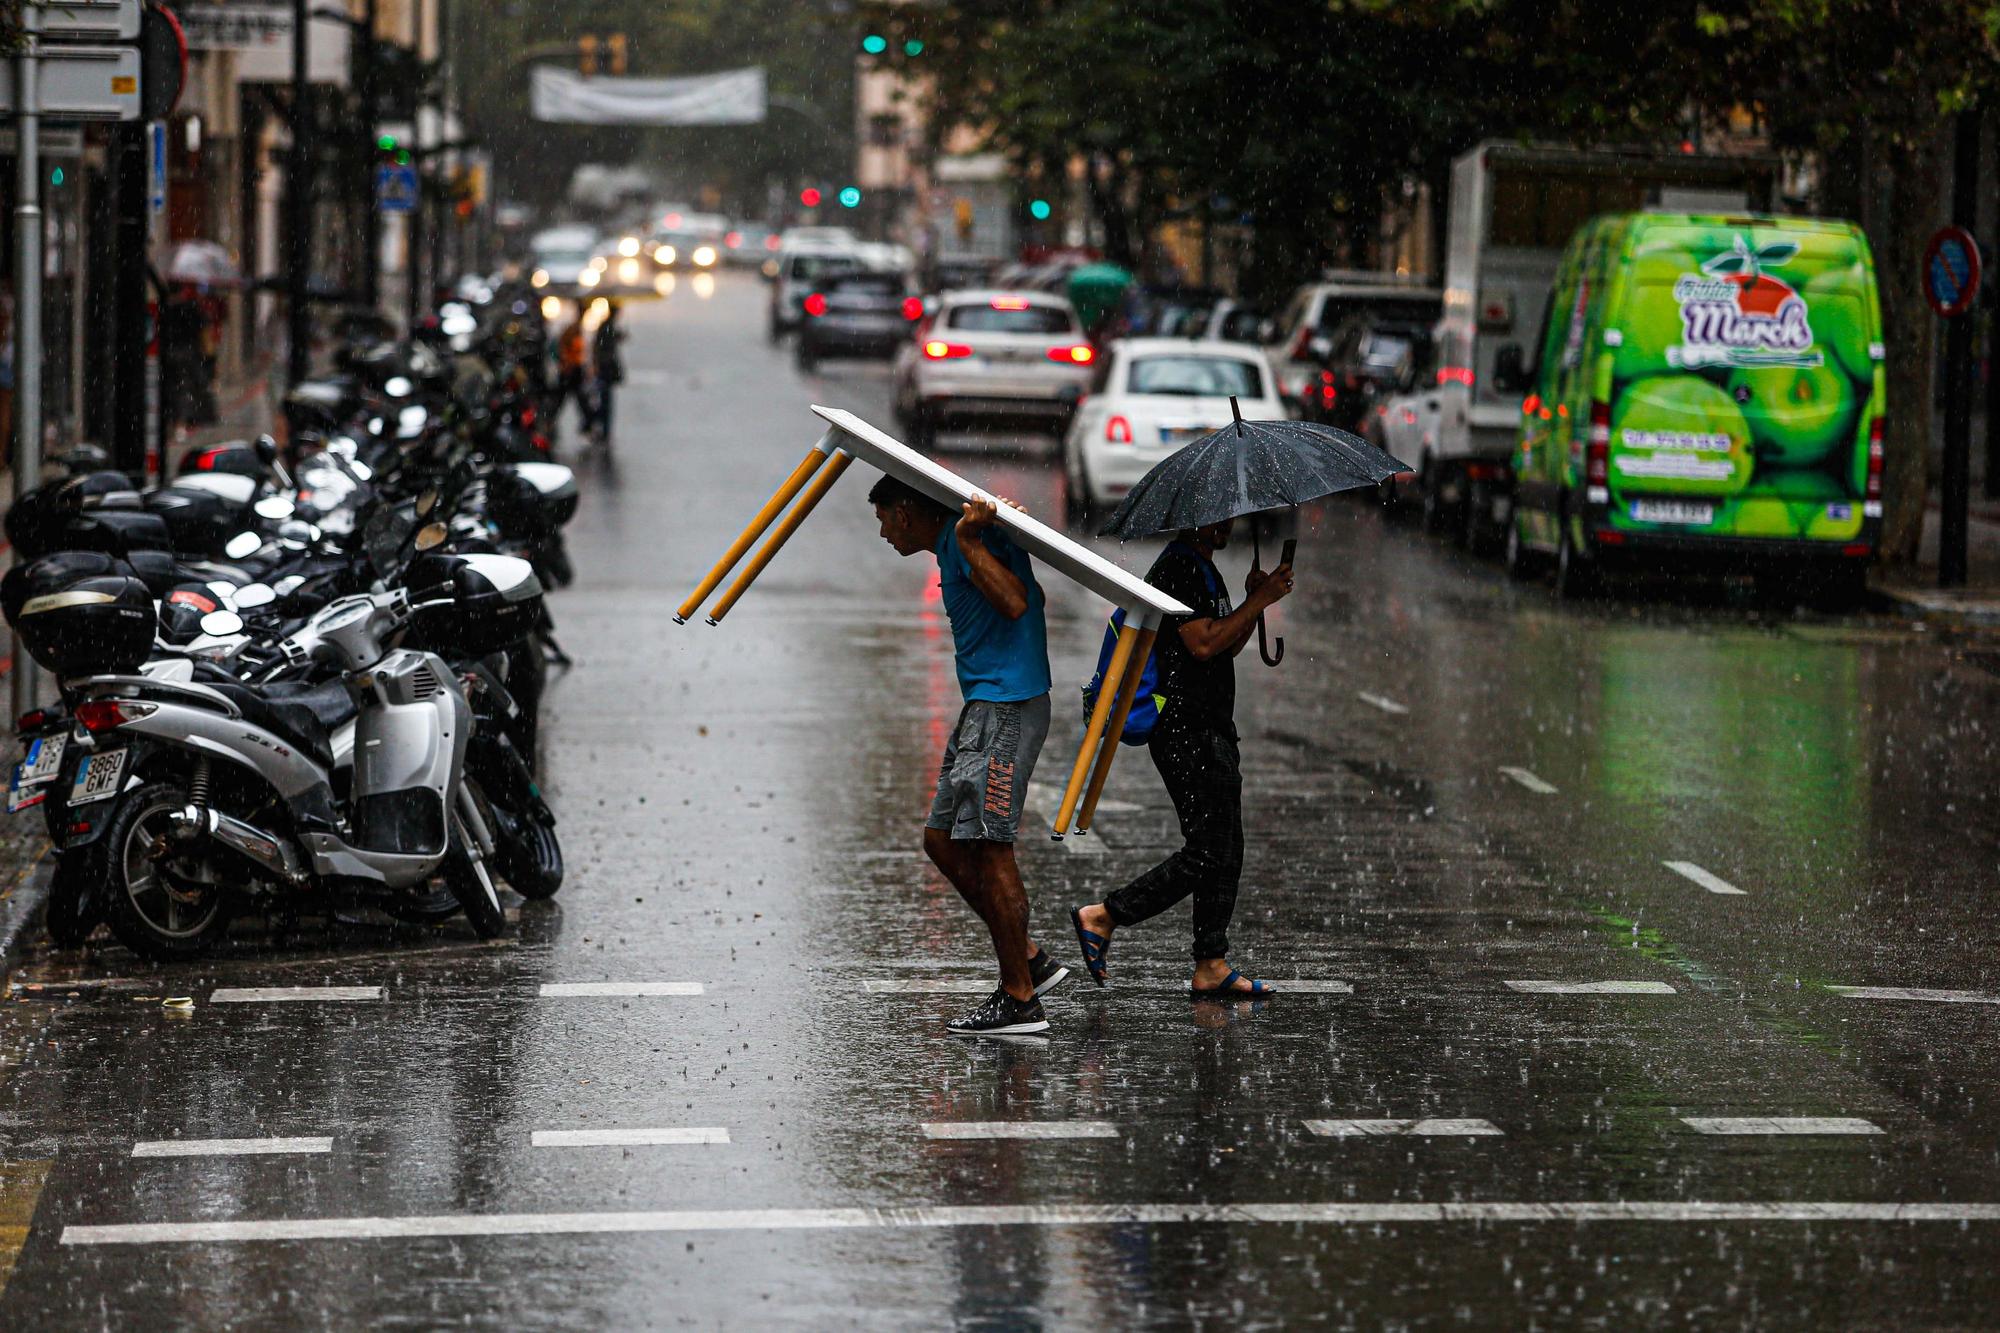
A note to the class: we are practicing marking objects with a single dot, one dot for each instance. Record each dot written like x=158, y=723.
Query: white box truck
x=1514, y=208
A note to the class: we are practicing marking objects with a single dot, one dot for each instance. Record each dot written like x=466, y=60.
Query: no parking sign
x=1951, y=272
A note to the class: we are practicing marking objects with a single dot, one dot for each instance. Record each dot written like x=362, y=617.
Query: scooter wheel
x=470, y=880
x=154, y=911
x=530, y=855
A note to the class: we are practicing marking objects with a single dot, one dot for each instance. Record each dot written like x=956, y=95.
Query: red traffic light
x=809, y=197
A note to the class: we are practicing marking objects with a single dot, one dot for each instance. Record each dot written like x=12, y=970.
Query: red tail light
x=1872, y=503
x=1597, y=455
x=1328, y=394
x=1455, y=375
x=1118, y=431
x=913, y=307
x=1530, y=404
x=31, y=719
x=733, y=239
x=935, y=350
x=815, y=305
x=204, y=461
x=1079, y=354
x=110, y=714
x=772, y=242
x=528, y=415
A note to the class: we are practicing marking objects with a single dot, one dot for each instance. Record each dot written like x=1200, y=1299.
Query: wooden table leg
x=1128, y=692
x=765, y=516
x=817, y=492
x=1113, y=683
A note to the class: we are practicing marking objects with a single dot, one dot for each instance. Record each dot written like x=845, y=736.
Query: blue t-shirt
x=1000, y=661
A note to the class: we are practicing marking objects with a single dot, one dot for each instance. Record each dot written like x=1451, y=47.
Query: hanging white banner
x=734, y=97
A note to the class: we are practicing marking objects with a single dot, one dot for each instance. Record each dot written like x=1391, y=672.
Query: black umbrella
x=1245, y=468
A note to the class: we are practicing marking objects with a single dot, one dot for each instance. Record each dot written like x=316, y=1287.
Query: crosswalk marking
x=1915, y=993
x=1591, y=987
x=1779, y=1124
x=909, y=1217
x=1377, y=701
x=1021, y=1129
x=560, y=990
x=1530, y=781
x=929, y=986
x=1308, y=986
x=1350, y=1129
x=287, y=994
x=984, y=986
x=1714, y=884
x=627, y=1138
x=229, y=1147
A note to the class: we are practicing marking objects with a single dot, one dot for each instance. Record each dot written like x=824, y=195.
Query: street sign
x=82, y=83
x=90, y=20
x=1951, y=272
x=396, y=189
x=156, y=169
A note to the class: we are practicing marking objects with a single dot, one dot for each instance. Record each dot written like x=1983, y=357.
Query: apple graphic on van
x=1757, y=293
x=1733, y=313
x=1797, y=414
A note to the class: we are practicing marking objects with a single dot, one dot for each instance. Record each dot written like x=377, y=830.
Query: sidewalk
x=1915, y=592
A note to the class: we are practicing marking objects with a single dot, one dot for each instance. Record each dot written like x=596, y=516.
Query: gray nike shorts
x=983, y=781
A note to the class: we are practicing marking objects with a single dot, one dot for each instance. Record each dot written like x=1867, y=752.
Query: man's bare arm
x=998, y=584
x=1211, y=637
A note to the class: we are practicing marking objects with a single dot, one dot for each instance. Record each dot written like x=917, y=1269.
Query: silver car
x=997, y=355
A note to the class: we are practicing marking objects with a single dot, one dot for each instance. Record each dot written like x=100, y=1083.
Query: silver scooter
x=214, y=788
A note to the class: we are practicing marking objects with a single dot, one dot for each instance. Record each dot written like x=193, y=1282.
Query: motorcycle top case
x=198, y=520
x=496, y=601
x=116, y=532
x=53, y=573
x=94, y=626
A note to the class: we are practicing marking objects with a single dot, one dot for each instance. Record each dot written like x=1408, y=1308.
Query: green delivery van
x=1708, y=395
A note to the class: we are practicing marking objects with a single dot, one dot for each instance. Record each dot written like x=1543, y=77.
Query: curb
x=21, y=902
x=1961, y=606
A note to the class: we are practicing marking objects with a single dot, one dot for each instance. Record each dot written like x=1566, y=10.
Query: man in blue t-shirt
x=1002, y=643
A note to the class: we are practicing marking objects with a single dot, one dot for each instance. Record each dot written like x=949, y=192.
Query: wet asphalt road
x=1423, y=1140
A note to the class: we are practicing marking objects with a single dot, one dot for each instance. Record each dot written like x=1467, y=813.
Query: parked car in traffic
x=1367, y=352
x=559, y=257
x=1231, y=320
x=859, y=313
x=803, y=267
x=994, y=356
x=748, y=245
x=951, y=272
x=1301, y=340
x=1150, y=396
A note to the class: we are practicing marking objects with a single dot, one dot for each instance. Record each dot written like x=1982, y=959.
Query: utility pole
x=129, y=148
x=27, y=299
x=1952, y=517
x=366, y=77
x=298, y=201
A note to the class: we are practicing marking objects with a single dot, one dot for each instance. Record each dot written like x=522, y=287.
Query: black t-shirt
x=1198, y=693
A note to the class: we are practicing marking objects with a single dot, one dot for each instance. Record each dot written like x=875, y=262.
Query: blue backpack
x=1148, y=703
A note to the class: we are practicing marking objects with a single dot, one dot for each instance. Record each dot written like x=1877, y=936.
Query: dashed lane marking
x=229, y=1147
x=1021, y=1129
x=1591, y=987
x=1779, y=1124
x=976, y=986
x=1377, y=701
x=627, y=1138
x=898, y=1218
x=289, y=994
x=1307, y=986
x=1713, y=883
x=1530, y=781
x=1353, y=1129
x=1915, y=993
x=930, y=986
x=562, y=990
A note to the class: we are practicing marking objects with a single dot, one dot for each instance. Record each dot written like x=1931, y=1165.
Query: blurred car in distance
x=864, y=312
x=994, y=356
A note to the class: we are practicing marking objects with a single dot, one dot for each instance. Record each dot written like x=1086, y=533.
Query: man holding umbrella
x=1194, y=748
x=1247, y=467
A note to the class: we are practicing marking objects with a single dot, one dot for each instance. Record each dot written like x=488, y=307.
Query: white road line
x=1046, y=796
x=1779, y=1124
x=228, y=1147
x=1915, y=993
x=561, y=990
x=1714, y=884
x=1591, y=987
x=1350, y=1129
x=1047, y=1215
x=282, y=994
x=1021, y=1129
x=976, y=986
x=1377, y=701
x=1530, y=781
x=626, y=1138
x=1307, y=986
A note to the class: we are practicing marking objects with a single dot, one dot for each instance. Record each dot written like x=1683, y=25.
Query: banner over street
x=733, y=97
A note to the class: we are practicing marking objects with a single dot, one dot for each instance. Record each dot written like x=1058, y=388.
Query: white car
x=993, y=354
x=1150, y=397
x=561, y=256
x=803, y=269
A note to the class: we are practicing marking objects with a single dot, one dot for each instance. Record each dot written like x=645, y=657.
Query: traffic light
x=850, y=198
x=586, y=55
x=809, y=197
x=1040, y=210
x=615, y=44
x=913, y=47
x=874, y=44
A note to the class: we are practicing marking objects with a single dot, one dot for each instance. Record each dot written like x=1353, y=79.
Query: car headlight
x=588, y=278
x=541, y=278
x=628, y=270
x=551, y=307
x=704, y=255
x=664, y=255
x=629, y=246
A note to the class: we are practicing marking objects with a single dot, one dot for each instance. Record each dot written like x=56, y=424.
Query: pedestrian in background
x=1194, y=747
x=572, y=371
x=608, y=368
x=1001, y=641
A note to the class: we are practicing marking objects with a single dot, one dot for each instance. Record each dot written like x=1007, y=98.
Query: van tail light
x=1597, y=455
x=110, y=714
x=814, y=304
x=913, y=307
x=1455, y=375
x=936, y=350
x=1118, y=431
x=1871, y=504
x=1077, y=354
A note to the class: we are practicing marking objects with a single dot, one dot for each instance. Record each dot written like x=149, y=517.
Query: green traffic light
x=874, y=43
x=58, y=176
x=1040, y=210
x=850, y=197
x=403, y=158
x=913, y=47
x=386, y=142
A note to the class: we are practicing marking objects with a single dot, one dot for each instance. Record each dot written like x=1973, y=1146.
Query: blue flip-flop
x=1094, y=945
x=1258, y=990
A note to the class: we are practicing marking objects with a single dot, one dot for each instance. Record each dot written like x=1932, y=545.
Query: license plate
x=42, y=762
x=1181, y=434
x=1673, y=511
x=99, y=778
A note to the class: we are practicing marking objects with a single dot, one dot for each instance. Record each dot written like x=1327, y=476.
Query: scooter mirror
x=398, y=386
x=254, y=596
x=275, y=506
x=432, y=537
x=221, y=624
x=243, y=544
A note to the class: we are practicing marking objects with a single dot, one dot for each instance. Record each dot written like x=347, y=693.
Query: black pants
x=1199, y=766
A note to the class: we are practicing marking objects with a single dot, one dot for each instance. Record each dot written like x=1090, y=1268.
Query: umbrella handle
x=1264, y=651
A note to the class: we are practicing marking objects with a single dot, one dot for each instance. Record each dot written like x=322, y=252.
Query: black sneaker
x=1045, y=972
x=1001, y=1016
